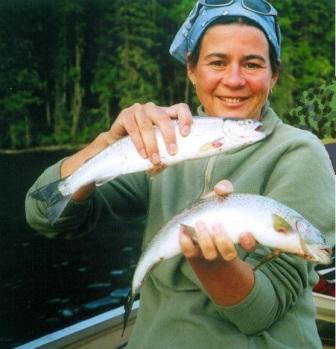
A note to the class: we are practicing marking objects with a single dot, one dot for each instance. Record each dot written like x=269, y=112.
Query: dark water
x=47, y=284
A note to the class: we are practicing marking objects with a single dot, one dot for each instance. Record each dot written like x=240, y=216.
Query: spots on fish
x=217, y=143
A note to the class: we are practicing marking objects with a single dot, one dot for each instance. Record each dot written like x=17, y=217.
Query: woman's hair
x=194, y=56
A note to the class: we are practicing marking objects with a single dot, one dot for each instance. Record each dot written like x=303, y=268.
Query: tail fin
x=55, y=200
x=128, y=309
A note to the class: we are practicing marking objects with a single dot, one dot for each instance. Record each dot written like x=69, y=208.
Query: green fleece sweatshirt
x=289, y=165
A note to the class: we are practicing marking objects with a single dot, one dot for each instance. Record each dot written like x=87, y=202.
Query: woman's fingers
x=164, y=122
x=247, y=242
x=125, y=124
x=146, y=127
x=182, y=112
x=189, y=249
x=213, y=243
x=205, y=241
x=140, y=120
x=223, y=243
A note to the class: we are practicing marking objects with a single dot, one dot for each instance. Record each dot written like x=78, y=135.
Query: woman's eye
x=217, y=63
x=251, y=65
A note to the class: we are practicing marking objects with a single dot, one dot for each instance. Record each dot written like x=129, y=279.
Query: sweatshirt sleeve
x=127, y=194
x=302, y=179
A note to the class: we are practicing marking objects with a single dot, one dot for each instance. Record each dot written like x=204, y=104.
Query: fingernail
x=172, y=149
x=143, y=153
x=222, y=186
x=185, y=130
x=230, y=256
x=155, y=159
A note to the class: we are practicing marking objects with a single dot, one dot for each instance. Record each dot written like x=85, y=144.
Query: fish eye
x=246, y=122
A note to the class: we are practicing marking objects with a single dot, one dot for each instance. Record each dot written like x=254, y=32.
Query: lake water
x=47, y=284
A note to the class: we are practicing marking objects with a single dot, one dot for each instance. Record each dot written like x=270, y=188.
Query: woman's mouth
x=232, y=100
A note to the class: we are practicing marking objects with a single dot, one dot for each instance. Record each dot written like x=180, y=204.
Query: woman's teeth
x=232, y=100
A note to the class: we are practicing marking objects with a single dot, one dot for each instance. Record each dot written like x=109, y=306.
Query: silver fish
x=271, y=223
x=209, y=136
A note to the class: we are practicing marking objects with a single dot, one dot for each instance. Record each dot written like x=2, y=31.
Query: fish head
x=314, y=244
x=235, y=133
x=242, y=131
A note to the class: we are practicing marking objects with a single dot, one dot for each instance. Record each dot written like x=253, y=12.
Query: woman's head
x=232, y=59
x=232, y=74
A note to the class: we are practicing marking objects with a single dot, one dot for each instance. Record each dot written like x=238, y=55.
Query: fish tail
x=55, y=200
x=128, y=309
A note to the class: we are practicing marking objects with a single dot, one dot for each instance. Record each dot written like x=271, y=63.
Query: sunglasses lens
x=216, y=2
x=258, y=6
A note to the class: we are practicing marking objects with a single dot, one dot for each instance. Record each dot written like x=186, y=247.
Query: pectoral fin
x=280, y=224
x=212, y=145
x=274, y=254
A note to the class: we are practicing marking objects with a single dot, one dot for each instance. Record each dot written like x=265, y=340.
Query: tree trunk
x=77, y=97
x=47, y=108
x=107, y=114
x=27, y=131
x=60, y=102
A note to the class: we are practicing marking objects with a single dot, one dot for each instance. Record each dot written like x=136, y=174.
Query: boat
x=104, y=331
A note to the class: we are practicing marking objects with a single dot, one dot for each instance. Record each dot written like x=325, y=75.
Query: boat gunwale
x=83, y=330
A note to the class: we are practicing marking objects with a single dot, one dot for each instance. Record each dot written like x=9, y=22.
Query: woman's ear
x=274, y=79
x=275, y=75
x=190, y=72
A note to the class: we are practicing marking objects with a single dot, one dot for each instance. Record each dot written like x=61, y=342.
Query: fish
x=271, y=223
x=209, y=136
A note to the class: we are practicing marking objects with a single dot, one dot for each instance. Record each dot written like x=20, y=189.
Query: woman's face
x=233, y=75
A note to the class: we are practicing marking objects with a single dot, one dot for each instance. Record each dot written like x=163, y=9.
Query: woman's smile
x=233, y=101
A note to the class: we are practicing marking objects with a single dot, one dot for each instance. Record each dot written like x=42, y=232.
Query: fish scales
x=209, y=136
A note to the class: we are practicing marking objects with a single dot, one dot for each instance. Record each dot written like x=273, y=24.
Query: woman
x=213, y=298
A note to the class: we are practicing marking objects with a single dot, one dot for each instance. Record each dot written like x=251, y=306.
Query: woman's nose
x=233, y=77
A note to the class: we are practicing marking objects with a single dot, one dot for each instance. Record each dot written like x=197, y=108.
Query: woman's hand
x=138, y=122
x=214, y=259
x=213, y=242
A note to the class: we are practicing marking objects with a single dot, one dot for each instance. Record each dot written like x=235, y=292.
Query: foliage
x=68, y=67
x=316, y=111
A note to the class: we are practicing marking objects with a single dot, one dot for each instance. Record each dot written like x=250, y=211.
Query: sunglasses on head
x=261, y=7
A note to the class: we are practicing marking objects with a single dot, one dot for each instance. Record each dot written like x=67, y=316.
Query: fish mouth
x=317, y=254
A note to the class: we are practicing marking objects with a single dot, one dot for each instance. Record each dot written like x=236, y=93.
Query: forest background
x=68, y=67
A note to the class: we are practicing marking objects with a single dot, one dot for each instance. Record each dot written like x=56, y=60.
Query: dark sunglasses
x=261, y=7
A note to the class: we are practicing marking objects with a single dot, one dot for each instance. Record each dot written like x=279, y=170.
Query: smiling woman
x=211, y=296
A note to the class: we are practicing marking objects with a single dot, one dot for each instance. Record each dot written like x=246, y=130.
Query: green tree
x=307, y=60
